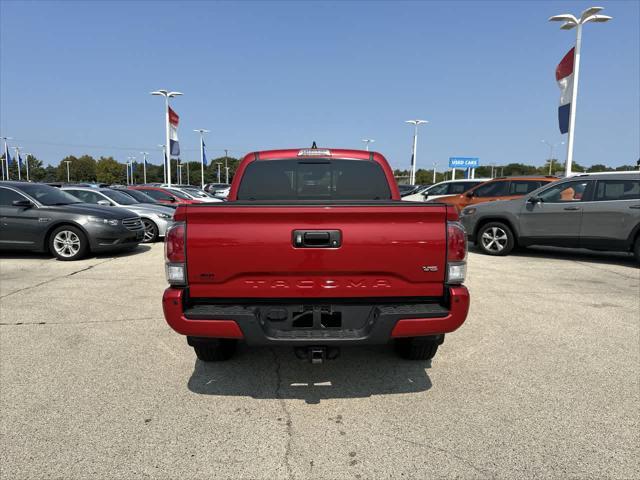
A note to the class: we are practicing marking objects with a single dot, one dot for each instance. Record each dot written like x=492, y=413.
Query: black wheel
x=418, y=348
x=150, y=231
x=636, y=249
x=68, y=243
x=495, y=238
x=216, y=350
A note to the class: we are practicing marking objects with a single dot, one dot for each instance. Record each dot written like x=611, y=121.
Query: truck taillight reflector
x=174, y=244
x=174, y=252
x=456, y=253
x=456, y=242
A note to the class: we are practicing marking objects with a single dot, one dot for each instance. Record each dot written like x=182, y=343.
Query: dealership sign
x=463, y=162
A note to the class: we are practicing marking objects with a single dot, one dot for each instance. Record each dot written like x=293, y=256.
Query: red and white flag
x=564, y=77
x=174, y=119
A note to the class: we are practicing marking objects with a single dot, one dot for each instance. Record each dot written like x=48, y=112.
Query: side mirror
x=104, y=203
x=425, y=195
x=533, y=200
x=469, y=194
x=172, y=199
x=22, y=203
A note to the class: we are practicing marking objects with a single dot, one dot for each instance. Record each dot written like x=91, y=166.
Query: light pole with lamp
x=201, y=131
x=415, y=123
x=167, y=95
x=68, y=177
x=6, y=158
x=26, y=163
x=589, y=15
x=226, y=166
x=367, y=141
x=551, y=147
x=434, y=171
x=218, y=164
x=144, y=165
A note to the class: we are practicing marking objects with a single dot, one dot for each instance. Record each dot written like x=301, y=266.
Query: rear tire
x=636, y=249
x=417, y=348
x=495, y=238
x=216, y=350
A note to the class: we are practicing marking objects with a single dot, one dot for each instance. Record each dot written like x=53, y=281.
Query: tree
x=82, y=169
x=109, y=170
x=598, y=167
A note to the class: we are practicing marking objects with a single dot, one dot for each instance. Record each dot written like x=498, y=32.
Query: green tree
x=109, y=170
x=81, y=169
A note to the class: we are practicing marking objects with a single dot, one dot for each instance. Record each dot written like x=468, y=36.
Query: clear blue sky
x=281, y=74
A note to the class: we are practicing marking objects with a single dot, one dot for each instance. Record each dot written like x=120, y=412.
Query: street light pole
x=570, y=22
x=367, y=141
x=68, y=177
x=551, y=147
x=6, y=157
x=17, y=159
x=415, y=123
x=202, y=131
x=434, y=171
x=144, y=165
x=26, y=163
x=167, y=95
x=218, y=164
x=226, y=167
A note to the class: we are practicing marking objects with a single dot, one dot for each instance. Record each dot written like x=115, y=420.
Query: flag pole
x=574, y=99
x=26, y=164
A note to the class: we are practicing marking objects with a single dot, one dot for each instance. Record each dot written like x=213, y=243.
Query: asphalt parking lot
x=541, y=381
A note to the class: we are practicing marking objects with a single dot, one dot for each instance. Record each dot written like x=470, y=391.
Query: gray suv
x=594, y=211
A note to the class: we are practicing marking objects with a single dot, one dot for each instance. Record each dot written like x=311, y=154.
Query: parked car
x=442, y=189
x=38, y=217
x=501, y=188
x=219, y=190
x=164, y=195
x=595, y=211
x=155, y=218
x=405, y=189
x=142, y=197
x=197, y=194
x=304, y=256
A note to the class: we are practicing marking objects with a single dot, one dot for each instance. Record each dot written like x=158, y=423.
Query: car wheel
x=417, y=348
x=216, y=350
x=495, y=238
x=150, y=231
x=636, y=249
x=68, y=243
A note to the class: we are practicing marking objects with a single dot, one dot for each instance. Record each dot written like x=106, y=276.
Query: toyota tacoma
x=315, y=250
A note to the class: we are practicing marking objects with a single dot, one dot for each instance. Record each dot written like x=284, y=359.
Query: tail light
x=456, y=253
x=175, y=254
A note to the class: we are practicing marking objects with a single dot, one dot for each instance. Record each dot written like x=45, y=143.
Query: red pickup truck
x=315, y=250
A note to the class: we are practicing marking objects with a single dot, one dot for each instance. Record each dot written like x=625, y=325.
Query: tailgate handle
x=317, y=238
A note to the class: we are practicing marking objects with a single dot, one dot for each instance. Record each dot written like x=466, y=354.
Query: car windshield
x=119, y=197
x=177, y=193
x=47, y=195
x=438, y=189
x=311, y=179
x=194, y=192
x=139, y=196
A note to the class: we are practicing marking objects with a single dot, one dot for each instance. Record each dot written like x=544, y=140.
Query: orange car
x=502, y=188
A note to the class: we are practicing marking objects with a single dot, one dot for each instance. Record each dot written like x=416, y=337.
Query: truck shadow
x=276, y=373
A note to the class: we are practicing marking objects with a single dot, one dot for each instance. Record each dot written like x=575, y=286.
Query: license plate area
x=284, y=320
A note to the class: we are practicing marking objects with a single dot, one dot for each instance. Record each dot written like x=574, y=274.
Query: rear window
x=618, y=190
x=314, y=180
x=492, y=189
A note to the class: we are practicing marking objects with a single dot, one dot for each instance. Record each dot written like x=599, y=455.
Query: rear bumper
x=372, y=324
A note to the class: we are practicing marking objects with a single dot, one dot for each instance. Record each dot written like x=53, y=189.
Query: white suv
x=444, y=189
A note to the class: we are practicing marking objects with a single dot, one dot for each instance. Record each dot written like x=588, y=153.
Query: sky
x=75, y=78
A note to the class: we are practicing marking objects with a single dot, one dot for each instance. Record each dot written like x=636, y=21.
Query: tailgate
x=390, y=250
